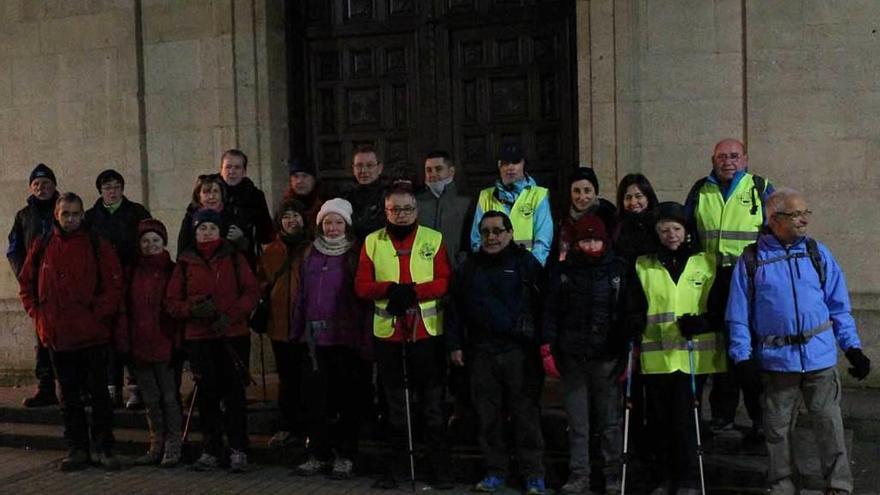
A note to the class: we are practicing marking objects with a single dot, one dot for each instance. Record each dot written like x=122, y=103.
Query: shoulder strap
x=694, y=193
x=816, y=259
x=750, y=259
x=758, y=187
x=37, y=260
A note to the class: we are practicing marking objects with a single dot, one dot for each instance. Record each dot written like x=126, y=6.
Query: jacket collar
x=509, y=193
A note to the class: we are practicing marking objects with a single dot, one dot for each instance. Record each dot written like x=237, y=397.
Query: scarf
x=438, y=187
x=332, y=247
x=207, y=249
x=400, y=232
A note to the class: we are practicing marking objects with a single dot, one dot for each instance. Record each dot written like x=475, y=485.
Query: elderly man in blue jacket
x=788, y=312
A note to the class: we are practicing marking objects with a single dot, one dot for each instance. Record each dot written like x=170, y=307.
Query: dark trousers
x=516, y=376
x=116, y=367
x=724, y=396
x=329, y=386
x=219, y=381
x=43, y=369
x=162, y=400
x=288, y=361
x=426, y=370
x=78, y=371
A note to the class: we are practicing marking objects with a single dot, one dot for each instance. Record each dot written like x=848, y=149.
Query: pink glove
x=549, y=362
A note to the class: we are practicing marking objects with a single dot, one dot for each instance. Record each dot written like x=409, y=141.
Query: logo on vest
x=526, y=210
x=698, y=279
x=744, y=198
x=428, y=251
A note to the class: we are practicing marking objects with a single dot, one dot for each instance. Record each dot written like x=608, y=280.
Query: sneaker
x=719, y=425
x=311, y=467
x=489, y=484
x=42, y=398
x=76, y=459
x=385, y=482
x=576, y=484
x=134, y=398
x=108, y=461
x=280, y=439
x=535, y=486
x=237, y=461
x=206, y=462
x=171, y=458
x=343, y=469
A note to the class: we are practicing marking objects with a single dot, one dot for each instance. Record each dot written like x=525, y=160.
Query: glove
x=401, y=297
x=236, y=236
x=861, y=364
x=221, y=324
x=549, y=362
x=747, y=371
x=691, y=325
x=203, y=309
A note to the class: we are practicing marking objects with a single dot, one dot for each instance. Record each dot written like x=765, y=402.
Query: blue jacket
x=789, y=300
x=543, y=219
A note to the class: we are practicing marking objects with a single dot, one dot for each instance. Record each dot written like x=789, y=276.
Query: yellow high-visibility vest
x=382, y=253
x=522, y=214
x=664, y=350
x=727, y=227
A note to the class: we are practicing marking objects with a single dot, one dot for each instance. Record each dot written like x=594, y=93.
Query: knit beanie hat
x=42, y=171
x=336, y=205
x=297, y=165
x=153, y=225
x=590, y=227
x=107, y=176
x=670, y=210
x=206, y=215
x=584, y=173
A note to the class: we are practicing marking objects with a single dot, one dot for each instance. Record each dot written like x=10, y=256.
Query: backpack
x=37, y=260
x=751, y=261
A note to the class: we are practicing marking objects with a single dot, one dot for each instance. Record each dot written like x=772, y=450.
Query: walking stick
x=412, y=461
x=189, y=412
x=263, y=369
x=690, y=344
x=624, y=458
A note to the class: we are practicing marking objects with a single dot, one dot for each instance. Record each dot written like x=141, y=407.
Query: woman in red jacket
x=215, y=291
x=148, y=334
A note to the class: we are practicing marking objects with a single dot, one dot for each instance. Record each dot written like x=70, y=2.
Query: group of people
x=631, y=307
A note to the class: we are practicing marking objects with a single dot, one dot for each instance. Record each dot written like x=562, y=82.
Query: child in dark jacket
x=148, y=334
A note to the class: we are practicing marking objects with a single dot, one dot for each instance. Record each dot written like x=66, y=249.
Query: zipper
x=797, y=317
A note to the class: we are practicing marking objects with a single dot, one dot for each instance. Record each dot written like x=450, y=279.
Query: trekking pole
x=690, y=344
x=189, y=412
x=263, y=369
x=624, y=458
x=412, y=462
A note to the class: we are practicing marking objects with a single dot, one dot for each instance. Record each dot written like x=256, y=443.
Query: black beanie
x=584, y=173
x=296, y=165
x=206, y=215
x=670, y=210
x=107, y=176
x=42, y=171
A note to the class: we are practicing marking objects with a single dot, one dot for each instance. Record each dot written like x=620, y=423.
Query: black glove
x=691, y=325
x=401, y=297
x=747, y=371
x=861, y=364
x=203, y=309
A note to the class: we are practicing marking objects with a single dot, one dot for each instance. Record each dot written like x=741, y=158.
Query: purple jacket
x=327, y=308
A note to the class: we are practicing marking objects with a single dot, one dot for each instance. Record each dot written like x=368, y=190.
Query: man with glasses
x=368, y=194
x=788, y=312
x=115, y=218
x=495, y=294
x=404, y=269
x=517, y=195
x=726, y=210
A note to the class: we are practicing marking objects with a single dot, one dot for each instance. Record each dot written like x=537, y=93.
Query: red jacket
x=69, y=311
x=236, y=296
x=366, y=287
x=145, y=329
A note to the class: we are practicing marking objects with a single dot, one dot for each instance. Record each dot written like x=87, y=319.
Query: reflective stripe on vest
x=664, y=350
x=727, y=227
x=522, y=214
x=381, y=252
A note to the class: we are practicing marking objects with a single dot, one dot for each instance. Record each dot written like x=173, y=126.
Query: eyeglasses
x=494, y=231
x=365, y=166
x=397, y=210
x=795, y=214
x=722, y=157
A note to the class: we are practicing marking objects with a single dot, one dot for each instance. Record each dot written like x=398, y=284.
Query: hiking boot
x=535, y=486
x=343, y=469
x=489, y=484
x=76, y=459
x=170, y=459
x=576, y=484
x=206, y=462
x=281, y=439
x=720, y=425
x=42, y=398
x=311, y=467
x=134, y=398
x=153, y=456
x=108, y=461
x=237, y=461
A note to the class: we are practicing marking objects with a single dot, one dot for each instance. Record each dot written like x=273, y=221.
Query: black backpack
x=751, y=261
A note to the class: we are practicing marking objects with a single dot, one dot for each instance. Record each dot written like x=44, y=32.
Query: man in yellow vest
x=675, y=298
x=726, y=212
x=404, y=269
x=518, y=195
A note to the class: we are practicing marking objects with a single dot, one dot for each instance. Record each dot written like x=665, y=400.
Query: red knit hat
x=589, y=227
x=153, y=225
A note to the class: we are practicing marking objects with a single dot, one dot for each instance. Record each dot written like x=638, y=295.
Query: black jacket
x=247, y=205
x=31, y=222
x=368, y=205
x=635, y=235
x=584, y=306
x=120, y=228
x=495, y=302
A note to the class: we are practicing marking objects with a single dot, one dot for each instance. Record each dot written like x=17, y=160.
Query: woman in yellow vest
x=672, y=299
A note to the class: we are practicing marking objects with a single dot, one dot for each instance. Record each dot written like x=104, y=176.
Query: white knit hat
x=336, y=205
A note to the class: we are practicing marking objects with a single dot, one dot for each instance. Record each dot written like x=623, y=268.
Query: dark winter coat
x=231, y=284
x=584, y=306
x=31, y=222
x=72, y=305
x=119, y=227
x=368, y=208
x=145, y=329
x=450, y=214
x=635, y=236
x=247, y=205
x=495, y=302
x=280, y=257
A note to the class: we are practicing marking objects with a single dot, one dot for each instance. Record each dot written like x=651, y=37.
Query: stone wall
x=660, y=81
